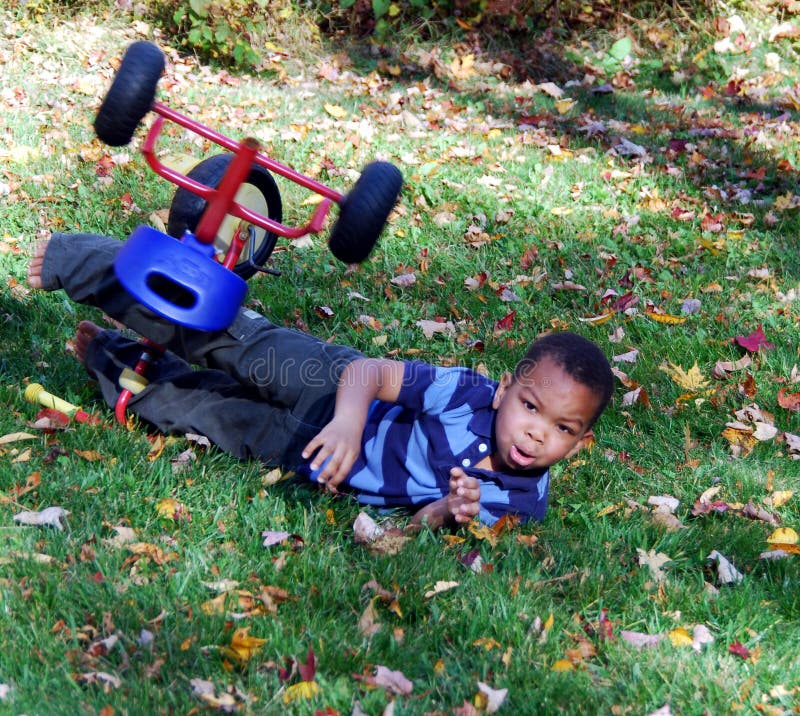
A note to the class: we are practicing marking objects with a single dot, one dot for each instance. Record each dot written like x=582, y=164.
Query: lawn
x=651, y=207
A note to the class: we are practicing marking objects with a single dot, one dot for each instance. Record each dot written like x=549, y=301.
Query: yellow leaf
x=394, y=10
x=90, y=455
x=783, y=535
x=597, y=320
x=680, y=637
x=170, y=508
x=215, y=605
x=334, y=110
x=548, y=624
x=562, y=665
x=483, y=532
x=564, y=105
x=159, y=443
x=243, y=646
x=453, y=540
x=740, y=440
x=781, y=497
x=608, y=510
x=439, y=667
x=690, y=380
x=487, y=643
x=665, y=318
x=301, y=690
x=561, y=211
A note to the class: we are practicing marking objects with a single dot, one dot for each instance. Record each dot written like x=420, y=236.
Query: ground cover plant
x=652, y=207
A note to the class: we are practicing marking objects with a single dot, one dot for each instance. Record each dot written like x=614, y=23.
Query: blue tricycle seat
x=179, y=280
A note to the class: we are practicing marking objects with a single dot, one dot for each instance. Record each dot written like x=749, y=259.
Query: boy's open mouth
x=520, y=457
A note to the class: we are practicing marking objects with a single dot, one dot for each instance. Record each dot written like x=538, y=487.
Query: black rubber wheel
x=363, y=212
x=131, y=94
x=258, y=193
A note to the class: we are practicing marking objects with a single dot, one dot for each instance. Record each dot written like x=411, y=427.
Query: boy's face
x=542, y=417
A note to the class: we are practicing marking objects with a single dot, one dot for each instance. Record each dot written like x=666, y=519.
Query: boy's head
x=546, y=409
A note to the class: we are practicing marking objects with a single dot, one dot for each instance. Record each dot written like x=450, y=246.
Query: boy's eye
x=528, y=405
x=565, y=429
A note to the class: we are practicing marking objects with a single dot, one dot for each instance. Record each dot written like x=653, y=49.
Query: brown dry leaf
x=368, y=623
x=151, y=551
x=722, y=368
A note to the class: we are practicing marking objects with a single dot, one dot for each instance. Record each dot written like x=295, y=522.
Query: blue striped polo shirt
x=443, y=418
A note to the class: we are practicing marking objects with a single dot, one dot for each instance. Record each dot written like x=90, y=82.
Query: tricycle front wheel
x=364, y=211
x=259, y=193
x=131, y=94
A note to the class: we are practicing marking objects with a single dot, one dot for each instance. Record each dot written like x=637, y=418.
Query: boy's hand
x=464, y=500
x=342, y=443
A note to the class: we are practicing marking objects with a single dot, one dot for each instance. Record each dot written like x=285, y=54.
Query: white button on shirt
x=483, y=447
x=466, y=462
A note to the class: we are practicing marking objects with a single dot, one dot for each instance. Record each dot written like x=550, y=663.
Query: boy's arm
x=459, y=506
x=361, y=382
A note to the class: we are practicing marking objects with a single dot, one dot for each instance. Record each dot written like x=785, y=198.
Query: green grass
x=585, y=218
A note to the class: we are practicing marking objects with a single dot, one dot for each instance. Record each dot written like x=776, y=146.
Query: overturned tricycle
x=226, y=213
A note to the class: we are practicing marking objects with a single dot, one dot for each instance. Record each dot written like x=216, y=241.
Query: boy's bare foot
x=83, y=337
x=35, y=266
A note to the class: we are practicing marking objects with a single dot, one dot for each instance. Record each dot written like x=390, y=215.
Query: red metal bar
x=223, y=198
x=261, y=159
x=150, y=351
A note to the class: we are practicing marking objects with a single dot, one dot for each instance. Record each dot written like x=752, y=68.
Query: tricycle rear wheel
x=259, y=193
x=364, y=211
x=131, y=94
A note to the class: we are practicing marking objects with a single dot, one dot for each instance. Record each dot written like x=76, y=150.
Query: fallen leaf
x=206, y=692
x=691, y=380
x=726, y=572
x=738, y=649
x=50, y=516
x=394, y=682
x=431, y=328
x=789, y=401
x=655, y=561
x=755, y=341
x=335, y=111
x=492, y=698
x=639, y=639
x=680, y=637
x=368, y=623
x=243, y=646
x=440, y=586
x=701, y=636
x=14, y=437
x=783, y=535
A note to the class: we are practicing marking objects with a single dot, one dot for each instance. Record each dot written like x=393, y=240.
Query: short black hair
x=581, y=359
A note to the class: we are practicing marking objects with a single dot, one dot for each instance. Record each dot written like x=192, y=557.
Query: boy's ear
x=587, y=440
x=505, y=381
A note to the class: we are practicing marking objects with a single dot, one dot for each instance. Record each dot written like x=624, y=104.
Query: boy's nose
x=535, y=432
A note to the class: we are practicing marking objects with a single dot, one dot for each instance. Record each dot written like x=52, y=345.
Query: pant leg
x=180, y=400
x=283, y=366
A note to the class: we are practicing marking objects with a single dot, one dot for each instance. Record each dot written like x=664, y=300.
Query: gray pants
x=264, y=391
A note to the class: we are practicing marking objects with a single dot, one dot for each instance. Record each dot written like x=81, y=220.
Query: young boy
x=448, y=443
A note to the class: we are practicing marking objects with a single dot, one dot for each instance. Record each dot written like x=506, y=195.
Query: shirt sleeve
x=522, y=497
x=432, y=389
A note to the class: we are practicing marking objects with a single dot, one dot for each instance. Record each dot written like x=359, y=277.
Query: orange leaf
x=790, y=401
